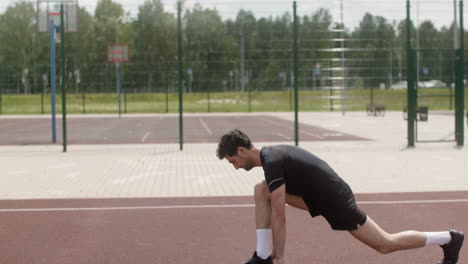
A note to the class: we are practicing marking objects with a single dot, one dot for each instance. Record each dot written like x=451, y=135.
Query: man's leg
x=263, y=205
x=263, y=216
x=372, y=235
x=262, y=219
x=262, y=223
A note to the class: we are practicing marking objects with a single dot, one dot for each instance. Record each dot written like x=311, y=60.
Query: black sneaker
x=452, y=249
x=258, y=260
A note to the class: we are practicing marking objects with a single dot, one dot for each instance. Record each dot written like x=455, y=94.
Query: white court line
x=145, y=137
x=210, y=206
x=283, y=136
x=125, y=208
x=205, y=126
x=416, y=201
x=285, y=126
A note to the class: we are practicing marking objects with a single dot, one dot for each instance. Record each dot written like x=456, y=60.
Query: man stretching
x=302, y=180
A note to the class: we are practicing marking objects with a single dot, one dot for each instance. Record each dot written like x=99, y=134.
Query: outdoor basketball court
x=135, y=129
x=152, y=203
x=125, y=193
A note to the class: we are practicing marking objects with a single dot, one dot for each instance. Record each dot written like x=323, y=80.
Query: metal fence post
x=180, y=77
x=52, y=80
x=459, y=85
x=296, y=73
x=411, y=99
x=62, y=66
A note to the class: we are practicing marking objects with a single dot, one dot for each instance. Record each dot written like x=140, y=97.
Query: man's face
x=240, y=160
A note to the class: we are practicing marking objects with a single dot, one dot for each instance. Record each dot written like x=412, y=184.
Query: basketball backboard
x=117, y=53
x=48, y=10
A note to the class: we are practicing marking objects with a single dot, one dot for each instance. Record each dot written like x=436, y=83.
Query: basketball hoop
x=117, y=56
x=54, y=16
x=48, y=10
x=117, y=53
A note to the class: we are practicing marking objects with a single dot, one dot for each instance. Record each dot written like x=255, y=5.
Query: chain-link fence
x=237, y=57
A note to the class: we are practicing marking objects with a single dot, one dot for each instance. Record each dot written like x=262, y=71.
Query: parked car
x=400, y=85
x=426, y=84
x=432, y=84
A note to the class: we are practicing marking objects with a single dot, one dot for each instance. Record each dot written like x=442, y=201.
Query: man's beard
x=248, y=166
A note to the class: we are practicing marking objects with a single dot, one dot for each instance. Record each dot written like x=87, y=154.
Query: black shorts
x=341, y=214
x=345, y=218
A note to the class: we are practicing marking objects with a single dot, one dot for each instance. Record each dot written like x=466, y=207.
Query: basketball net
x=57, y=22
x=117, y=56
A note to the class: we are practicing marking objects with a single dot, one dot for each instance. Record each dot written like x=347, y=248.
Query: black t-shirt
x=305, y=175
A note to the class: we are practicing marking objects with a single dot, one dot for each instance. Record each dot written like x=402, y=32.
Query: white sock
x=438, y=238
x=263, y=243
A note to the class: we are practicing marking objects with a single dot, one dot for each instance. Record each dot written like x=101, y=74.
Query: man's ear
x=241, y=151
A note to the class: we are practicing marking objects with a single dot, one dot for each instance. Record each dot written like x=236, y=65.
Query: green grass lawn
x=258, y=101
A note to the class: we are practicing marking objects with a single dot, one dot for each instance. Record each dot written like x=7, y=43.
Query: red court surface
x=209, y=230
x=159, y=129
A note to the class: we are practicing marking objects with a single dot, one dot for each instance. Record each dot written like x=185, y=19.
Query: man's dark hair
x=229, y=143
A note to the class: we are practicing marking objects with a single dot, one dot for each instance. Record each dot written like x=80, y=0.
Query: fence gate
x=435, y=95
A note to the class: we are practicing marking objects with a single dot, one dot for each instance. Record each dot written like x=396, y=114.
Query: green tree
x=83, y=60
x=429, y=59
x=401, y=46
x=154, y=46
x=448, y=60
x=245, y=32
x=22, y=47
x=274, y=47
x=374, y=41
x=207, y=48
x=316, y=42
x=109, y=17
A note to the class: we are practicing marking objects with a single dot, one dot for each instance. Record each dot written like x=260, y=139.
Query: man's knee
x=261, y=190
x=385, y=248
